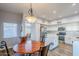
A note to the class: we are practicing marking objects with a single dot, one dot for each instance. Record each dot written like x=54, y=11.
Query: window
x=26, y=28
x=10, y=30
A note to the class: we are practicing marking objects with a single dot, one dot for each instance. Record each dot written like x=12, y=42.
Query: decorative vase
x=28, y=44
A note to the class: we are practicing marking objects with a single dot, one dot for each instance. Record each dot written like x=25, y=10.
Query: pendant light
x=31, y=18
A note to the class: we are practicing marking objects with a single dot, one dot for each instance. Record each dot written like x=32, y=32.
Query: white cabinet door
x=69, y=39
x=76, y=48
x=51, y=38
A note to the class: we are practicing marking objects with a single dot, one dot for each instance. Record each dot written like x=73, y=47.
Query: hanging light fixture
x=31, y=18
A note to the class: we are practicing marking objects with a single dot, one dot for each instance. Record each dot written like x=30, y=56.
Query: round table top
x=20, y=48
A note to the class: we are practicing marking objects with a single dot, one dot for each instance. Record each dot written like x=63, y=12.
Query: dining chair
x=44, y=50
x=23, y=39
x=4, y=45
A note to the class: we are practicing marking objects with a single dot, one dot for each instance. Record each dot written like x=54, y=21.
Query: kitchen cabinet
x=76, y=48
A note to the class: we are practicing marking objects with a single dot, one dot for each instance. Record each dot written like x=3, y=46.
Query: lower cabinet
x=76, y=48
x=53, y=40
x=69, y=39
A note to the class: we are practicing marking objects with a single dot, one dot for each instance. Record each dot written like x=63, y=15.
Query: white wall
x=9, y=17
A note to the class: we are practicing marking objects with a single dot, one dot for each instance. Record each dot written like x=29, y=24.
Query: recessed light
x=76, y=12
x=54, y=12
x=73, y=4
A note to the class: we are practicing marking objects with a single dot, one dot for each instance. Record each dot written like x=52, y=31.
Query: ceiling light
x=73, y=4
x=31, y=18
x=54, y=12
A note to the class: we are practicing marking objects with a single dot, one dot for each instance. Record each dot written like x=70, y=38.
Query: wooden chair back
x=44, y=50
x=23, y=40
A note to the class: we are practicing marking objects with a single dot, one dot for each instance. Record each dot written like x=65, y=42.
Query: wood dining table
x=20, y=48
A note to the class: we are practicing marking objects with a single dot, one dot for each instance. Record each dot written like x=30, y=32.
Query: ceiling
x=45, y=11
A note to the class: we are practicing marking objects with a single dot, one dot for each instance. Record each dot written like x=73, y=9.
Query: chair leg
x=7, y=51
x=4, y=44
